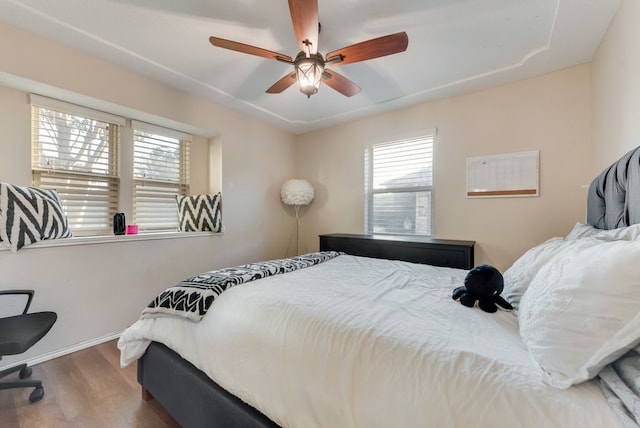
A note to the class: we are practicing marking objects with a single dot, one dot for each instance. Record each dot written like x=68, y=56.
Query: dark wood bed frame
x=194, y=400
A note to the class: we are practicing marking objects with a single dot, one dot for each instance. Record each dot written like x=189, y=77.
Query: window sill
x=107, y=239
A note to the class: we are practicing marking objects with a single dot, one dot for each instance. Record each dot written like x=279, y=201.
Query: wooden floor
x=84, y=389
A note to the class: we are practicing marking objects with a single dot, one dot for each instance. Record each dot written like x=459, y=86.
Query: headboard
x=614, y=196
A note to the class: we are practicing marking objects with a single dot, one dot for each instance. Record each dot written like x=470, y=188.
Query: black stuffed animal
x=483, y=283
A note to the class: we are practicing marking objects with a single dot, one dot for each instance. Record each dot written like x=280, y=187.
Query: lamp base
x=299, y=232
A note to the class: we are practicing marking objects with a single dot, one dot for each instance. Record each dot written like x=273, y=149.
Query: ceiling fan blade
x=340, y=83
x=304, y=16
x=248, y=49
x=374, y=48
x=282, y=84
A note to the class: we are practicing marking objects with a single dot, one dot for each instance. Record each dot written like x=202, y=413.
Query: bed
x=358, y=342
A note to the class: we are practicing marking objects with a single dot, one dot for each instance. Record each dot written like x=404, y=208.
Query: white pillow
x=582, y=310
x=581, y=231
x=518, y=277
x=622, y=233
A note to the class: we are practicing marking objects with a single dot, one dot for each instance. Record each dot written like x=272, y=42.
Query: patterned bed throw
x=192, y=297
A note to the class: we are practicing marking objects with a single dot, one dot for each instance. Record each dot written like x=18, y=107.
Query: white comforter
x=358, y=342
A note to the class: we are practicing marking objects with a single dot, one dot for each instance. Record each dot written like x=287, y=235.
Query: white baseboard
x=64, y=351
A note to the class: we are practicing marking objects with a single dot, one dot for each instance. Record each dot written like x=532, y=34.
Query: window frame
x=122, y=154
x=46, y=177
x=181, y=186
x=370, y=191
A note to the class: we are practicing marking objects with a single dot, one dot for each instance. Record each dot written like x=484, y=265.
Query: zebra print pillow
x=199, y=213
x=29, y=214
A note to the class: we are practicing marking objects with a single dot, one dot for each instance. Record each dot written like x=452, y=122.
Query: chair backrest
x=15, y=302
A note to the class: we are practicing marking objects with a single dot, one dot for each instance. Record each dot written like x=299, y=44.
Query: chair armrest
x=29, y=293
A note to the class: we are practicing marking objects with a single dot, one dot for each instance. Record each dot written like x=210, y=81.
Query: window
x=398, y=186
x=160, y=173
x=101, y=165
x=75, y=151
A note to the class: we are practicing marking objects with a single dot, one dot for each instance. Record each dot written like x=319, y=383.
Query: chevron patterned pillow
x=29, y=214
x=200, y=213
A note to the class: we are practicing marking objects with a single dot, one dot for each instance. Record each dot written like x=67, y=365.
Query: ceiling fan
x=309, y=64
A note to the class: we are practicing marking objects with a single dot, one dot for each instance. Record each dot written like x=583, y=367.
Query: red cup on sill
x=132, y=229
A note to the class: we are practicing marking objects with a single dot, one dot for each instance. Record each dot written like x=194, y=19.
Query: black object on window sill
x=119, y=224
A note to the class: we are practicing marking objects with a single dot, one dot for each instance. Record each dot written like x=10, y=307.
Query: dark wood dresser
x=436, y=252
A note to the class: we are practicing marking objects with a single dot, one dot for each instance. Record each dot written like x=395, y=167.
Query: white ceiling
x=455, y=46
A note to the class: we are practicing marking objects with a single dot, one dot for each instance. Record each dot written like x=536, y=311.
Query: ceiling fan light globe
x=308, y=90
x=309, y=74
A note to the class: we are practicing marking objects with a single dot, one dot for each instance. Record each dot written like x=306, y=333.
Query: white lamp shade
x=296, y=192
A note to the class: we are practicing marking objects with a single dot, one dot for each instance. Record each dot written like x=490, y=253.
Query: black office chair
x=19, y=333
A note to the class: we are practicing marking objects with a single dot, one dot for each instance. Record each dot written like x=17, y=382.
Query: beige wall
x=616, y=88
x=550, y=113
x=99, y=289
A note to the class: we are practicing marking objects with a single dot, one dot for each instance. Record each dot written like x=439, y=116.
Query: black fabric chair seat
x=21, y=332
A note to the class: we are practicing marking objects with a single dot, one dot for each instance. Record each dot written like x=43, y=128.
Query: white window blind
x=160, y=173
x=398, y=186
x=75, y=151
